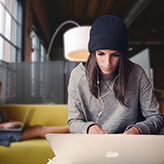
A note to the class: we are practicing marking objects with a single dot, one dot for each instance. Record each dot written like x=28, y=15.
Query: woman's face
x=107, y=61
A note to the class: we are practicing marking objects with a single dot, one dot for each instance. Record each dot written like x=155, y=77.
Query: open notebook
x=106, y=149
x=25, y=122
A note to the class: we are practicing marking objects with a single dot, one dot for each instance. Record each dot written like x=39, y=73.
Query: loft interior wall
x=157, y=63
x=39, y=6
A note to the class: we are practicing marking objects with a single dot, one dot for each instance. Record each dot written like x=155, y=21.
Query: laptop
x=106, y=149
x=25, y=122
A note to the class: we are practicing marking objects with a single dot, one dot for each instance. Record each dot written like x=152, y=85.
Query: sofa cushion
x=26, y=152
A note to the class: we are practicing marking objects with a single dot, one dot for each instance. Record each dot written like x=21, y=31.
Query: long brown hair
x=92, y=74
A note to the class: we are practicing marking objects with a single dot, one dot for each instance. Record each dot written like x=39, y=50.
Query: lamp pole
x=55, y=33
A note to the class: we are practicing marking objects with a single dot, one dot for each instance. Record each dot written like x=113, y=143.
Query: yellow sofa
x=33, y=151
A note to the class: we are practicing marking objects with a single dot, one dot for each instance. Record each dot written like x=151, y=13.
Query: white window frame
x=11, y=12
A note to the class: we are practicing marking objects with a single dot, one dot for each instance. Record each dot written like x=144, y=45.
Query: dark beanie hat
x=108, y=32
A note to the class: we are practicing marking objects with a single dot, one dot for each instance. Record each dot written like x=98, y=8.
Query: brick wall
x=28, y=28
x=40, y=10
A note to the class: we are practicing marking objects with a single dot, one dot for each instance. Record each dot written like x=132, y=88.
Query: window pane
x=9, y=30
x=12, y=29
x=13, y=54
x=8, y=5
x=37, y=55
x=43, y=53
x=42, y=50
x=36, y=46
x=33, y=41
x=14, y=9
x=3, y=1
x=1, y=48
x=8, y=26
x=7, y=52
x=37, y=42
x=32, y=56
x=33, y=35
x=2, y=11
x=13, y=32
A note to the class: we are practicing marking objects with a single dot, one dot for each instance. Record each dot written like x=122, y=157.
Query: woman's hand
x=95, y=129
x=11, y=124
x=132, y=130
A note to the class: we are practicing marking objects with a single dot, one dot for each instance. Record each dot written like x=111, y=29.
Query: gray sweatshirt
x=83, y=108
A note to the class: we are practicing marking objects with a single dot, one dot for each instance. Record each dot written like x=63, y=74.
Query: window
x=11, y=12
x=38, y=49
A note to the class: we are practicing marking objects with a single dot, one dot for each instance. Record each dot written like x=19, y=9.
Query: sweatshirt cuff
x=143, y=128
x=87, y=126
x=90, y=126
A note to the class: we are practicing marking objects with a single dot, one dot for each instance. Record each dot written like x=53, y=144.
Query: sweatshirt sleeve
x=150, y=109
x=75, y=117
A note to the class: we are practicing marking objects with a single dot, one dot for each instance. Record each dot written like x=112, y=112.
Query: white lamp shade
x=76, y=43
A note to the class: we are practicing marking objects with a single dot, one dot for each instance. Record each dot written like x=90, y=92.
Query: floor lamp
x=75, y=42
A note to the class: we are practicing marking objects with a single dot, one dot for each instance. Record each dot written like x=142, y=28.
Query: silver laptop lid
x=25, y=122
x=105, y=149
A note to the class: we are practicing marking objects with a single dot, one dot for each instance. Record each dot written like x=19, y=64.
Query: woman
x=6, y=137
x=109, y=94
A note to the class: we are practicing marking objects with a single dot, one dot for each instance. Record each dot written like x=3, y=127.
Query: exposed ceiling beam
x=146, y=37
x=136, y=11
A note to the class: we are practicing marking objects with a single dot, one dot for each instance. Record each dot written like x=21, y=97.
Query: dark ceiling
x=144, y=18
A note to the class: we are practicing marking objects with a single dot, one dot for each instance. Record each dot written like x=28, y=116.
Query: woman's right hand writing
x=95, y=129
